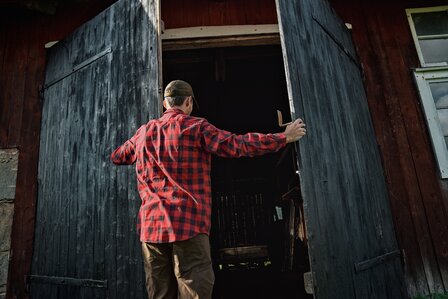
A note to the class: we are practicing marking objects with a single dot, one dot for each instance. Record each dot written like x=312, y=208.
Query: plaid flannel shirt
x=172, y=156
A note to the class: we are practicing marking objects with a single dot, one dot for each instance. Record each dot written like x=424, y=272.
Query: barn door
x=101, y=83
x=352, y=246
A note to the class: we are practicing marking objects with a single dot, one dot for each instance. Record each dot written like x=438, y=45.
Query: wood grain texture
x=345, y=197
x=87, y=207
x=185, y=13
x=379, y=29
x=418, y=196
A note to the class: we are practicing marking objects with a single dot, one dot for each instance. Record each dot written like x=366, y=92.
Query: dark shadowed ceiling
x=44, y=6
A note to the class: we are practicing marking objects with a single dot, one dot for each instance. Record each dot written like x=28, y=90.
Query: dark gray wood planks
x=345, y=198
x=87, y=207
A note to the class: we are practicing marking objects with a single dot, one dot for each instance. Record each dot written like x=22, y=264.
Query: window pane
x=430, y=23
x=434, y=50
x=443, y=118
x=439, y=92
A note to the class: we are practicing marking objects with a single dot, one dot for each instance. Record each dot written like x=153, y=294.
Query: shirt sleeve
x=126, y=154
x=227, y=144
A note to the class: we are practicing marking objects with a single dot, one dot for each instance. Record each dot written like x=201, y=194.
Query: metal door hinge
x=370, y=263
x=337, y=42
x=41, y=93
x=78, y=67
x=71, y=281
x=308, y=282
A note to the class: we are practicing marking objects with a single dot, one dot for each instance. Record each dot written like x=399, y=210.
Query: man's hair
x=176, y=101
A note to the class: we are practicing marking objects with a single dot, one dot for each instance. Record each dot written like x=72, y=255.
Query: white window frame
x=416, y=38
x=423, y=78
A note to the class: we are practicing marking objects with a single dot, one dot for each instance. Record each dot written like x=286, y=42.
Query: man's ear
x=165, y=104
x=189, y=101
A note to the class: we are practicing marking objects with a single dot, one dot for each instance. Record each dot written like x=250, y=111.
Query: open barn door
x=352, y=246
x=101, y=83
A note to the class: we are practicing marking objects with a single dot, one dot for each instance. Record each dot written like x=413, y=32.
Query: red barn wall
x=179, y=13
x=418, y=197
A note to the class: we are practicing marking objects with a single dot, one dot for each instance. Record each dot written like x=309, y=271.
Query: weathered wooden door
x=101, y=83
x=352, y=246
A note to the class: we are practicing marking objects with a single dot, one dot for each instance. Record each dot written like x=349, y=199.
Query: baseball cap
x=177, y=88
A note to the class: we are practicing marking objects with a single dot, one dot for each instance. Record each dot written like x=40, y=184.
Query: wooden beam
x=219, y=42
x=219, y=31
x=220, y=36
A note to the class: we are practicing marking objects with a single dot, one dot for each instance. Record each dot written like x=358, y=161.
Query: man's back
x=173, y=173
x=172, y=156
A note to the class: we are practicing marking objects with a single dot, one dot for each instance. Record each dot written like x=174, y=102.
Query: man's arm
x=226, y=144
x=125, y=154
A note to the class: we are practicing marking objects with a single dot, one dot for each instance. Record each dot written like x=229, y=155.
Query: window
x=433, y=87
x=429, y=27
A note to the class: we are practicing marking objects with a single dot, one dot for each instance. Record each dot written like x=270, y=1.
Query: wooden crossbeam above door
x=220, y=36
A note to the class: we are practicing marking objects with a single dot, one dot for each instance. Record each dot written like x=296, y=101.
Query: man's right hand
x=295, y=131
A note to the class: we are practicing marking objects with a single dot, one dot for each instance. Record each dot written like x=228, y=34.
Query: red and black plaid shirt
x=172, y=156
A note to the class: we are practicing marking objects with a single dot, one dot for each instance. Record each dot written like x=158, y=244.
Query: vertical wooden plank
x=24, y=209
x=14, y=50
x=185, y=13
x=4, y=36
x=234, y=14
x=260, y=12
x=17, y=73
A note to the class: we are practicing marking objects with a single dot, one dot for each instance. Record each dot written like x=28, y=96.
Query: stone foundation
x=8, y=174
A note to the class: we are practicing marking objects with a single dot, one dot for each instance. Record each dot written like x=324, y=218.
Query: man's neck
x=178, y=108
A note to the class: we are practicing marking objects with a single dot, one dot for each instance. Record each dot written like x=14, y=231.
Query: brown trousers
x=179, y=270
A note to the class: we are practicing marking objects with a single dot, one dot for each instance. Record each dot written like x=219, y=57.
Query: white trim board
x=423, y=78
x=219, y=31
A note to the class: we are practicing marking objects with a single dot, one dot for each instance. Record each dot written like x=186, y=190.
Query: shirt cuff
x=282, y=137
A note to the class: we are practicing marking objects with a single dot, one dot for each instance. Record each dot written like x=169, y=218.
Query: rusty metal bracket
x=338, y=43
x=308, y=282
x=280, y=120
x=79, y=66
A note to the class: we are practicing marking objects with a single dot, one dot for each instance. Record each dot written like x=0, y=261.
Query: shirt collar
x=174, y=111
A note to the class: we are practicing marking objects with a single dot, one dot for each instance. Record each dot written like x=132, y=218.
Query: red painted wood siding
x=419, y=198
x=185, y=13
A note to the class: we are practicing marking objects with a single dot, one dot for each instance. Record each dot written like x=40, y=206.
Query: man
x=172, y=156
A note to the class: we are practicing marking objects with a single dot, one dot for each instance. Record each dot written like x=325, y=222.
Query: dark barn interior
x=239, y=89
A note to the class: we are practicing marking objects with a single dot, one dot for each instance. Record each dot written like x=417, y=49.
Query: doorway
x=258, y=237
